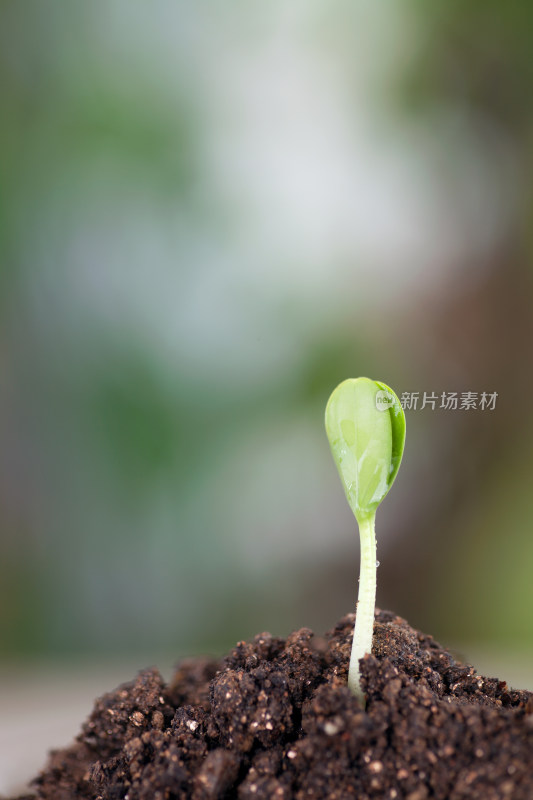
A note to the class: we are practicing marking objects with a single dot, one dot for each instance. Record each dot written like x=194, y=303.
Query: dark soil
x=275, y=720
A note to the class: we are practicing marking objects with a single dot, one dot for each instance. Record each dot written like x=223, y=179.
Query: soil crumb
x=274, y=720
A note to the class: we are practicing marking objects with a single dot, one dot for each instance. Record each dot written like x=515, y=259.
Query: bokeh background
x=209, y=216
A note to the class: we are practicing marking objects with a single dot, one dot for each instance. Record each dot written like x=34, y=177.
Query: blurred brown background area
x=208, y=218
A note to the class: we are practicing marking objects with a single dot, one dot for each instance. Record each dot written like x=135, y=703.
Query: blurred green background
x=209, y=216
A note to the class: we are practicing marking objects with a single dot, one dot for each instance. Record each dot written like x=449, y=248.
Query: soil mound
x=274, y=720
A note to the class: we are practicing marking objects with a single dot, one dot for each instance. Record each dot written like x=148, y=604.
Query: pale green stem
x=366, y=601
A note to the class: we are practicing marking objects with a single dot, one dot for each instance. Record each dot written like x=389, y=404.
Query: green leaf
x=365, y=425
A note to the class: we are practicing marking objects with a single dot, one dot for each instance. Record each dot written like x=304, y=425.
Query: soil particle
x=274, y=720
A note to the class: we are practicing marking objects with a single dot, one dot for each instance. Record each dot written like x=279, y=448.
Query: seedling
x=365, y=425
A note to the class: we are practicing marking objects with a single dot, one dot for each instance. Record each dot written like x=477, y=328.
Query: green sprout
x=365, y=425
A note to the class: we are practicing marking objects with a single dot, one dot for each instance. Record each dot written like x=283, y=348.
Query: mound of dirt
x=274, y=720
